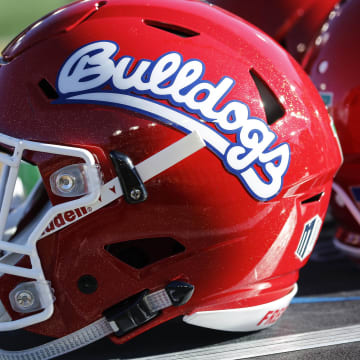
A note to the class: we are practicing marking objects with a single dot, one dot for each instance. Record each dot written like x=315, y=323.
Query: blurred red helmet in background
x=334, y=68
x=291, y=23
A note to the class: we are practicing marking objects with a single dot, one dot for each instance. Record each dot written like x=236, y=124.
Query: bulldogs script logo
x=85, y=73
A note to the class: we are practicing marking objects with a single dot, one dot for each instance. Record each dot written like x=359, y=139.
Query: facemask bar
x=11, y=164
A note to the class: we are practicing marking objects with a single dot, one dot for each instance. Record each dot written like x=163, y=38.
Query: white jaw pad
x=243, y=319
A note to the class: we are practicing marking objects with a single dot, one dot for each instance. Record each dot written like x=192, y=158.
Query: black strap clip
x=130, y=314
x=135, y=311
x=131, y=183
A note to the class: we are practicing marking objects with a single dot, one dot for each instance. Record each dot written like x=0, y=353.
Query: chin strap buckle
x=120, y=319
x=143, y=307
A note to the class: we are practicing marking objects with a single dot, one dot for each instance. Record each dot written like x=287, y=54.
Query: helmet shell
x=238, y=248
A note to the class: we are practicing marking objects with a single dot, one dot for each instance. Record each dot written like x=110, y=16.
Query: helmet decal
x=89, y=69
x=308, y=237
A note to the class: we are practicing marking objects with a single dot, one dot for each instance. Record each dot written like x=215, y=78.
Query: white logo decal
x=308, y=237
x=258, y=164
x=109, y=192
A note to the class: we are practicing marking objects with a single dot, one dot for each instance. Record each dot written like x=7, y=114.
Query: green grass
x=3, y=42
x=16, y=15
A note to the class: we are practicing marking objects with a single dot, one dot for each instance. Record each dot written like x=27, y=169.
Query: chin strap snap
x=118, y=320
x=143, y=307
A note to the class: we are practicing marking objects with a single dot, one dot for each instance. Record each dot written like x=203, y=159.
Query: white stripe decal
x=211, y=136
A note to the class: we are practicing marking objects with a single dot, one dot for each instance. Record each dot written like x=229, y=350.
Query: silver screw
x=301, y=47
x=135, y=194
x=65, y=183
x=24, y=298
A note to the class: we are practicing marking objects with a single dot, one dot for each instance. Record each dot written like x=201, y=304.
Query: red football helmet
x=186, y=165
x=291, y=23
x=333, y=69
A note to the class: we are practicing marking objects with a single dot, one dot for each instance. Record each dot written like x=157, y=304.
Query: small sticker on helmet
x=308, y=237
x=327, y=97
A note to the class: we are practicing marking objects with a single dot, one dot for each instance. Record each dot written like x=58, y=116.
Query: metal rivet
x=24, y=298
x=65, y=182
x=135, y=194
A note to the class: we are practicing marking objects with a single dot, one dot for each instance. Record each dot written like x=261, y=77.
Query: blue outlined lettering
x=254, y=158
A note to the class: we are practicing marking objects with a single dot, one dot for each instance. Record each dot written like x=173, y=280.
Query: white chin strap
x=97, y=330
x=85, y=336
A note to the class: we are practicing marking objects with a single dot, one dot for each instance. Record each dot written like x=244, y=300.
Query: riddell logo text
x=271, y=317
x=64, y=219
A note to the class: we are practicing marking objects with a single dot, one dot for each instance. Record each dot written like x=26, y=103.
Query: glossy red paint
x=238, y=251
x=292, y=23
x=333, y=65
x=55, y=23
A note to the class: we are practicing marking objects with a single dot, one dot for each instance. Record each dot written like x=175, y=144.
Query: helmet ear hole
x=143, y=252
x=272, y=107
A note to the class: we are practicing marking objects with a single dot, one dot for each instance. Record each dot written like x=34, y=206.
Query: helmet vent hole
x=143, y=252
x=314, y=198
x=173, y=29
x=272, y=107
x=48, y=90
x=100, y=4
